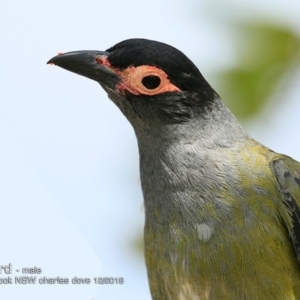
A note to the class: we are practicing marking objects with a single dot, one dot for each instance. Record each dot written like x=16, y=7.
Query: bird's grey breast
x=182, y=178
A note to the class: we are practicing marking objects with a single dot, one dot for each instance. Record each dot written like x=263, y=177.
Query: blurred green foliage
x=266, y=55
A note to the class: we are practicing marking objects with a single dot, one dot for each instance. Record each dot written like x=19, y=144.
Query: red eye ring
x=133, y=80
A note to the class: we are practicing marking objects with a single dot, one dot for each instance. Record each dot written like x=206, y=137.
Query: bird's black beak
x=88, y=64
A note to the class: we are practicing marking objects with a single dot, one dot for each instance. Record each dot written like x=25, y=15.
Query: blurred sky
x=70, y=195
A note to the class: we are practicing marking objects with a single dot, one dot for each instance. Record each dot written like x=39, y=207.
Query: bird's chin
x=114, y=95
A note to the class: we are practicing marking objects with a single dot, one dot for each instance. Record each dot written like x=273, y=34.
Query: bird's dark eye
x=151, y=82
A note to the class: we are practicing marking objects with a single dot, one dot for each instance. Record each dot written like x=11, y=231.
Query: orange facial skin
x=132, y=79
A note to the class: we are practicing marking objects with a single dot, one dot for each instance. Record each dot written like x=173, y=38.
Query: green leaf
x=266, y=54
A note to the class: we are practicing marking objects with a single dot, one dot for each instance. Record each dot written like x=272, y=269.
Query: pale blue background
x=70, y=196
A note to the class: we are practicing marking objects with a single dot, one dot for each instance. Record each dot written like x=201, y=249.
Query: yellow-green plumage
x=248, y=255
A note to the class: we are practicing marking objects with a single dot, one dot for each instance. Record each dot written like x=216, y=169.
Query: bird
x=222, y=211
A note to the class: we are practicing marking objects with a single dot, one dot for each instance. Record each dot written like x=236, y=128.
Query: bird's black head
x=146, y=79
